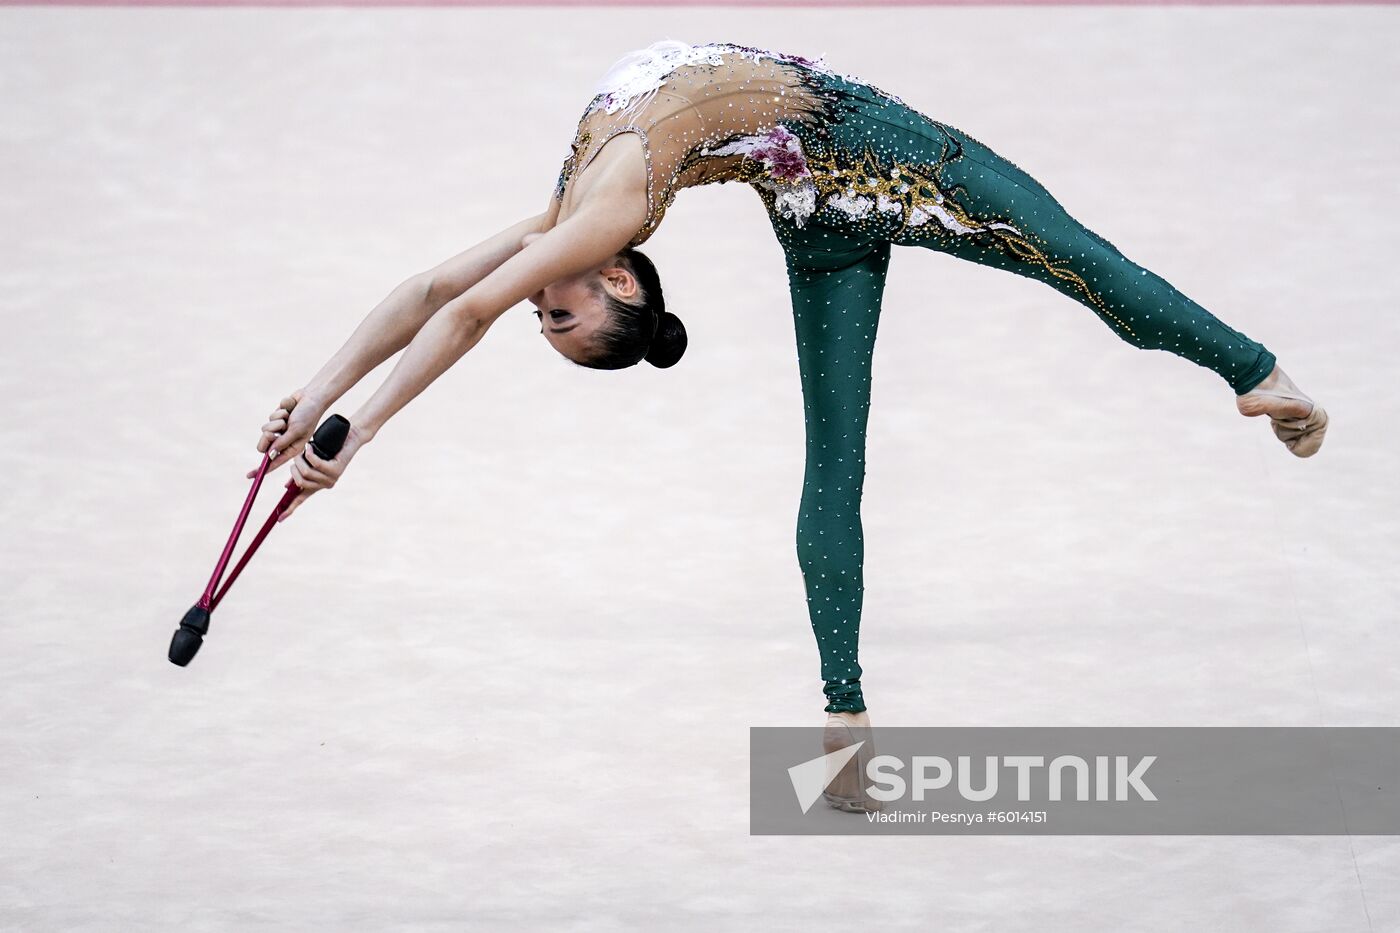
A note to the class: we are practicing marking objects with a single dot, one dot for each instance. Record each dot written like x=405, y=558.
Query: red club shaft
x=207, y=600
x=292, y=490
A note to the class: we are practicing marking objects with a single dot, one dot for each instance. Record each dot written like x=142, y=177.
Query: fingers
x=311, y=472
x=318, y=464
x=288, y=446
x=285, y=449
x=290, y=442
x=276, y=424
x=281, y=437
x=277, y=461
x=309, y=484
x=278, y=420
x=296, y=503
x=281, y=457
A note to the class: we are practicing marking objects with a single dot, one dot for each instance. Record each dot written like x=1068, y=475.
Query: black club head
x=189, y=636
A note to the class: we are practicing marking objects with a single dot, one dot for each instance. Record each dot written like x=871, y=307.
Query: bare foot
x=1296, y=420
x=846, y=791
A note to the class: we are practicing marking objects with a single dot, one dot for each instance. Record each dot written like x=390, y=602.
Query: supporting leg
x=836, y=311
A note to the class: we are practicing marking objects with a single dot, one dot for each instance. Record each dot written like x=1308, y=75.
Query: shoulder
x=616, y=168
x=617, y=188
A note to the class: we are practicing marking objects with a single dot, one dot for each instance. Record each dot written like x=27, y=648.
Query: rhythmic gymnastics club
x=327, y=441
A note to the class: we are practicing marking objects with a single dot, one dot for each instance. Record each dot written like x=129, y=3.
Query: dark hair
x=641, y=331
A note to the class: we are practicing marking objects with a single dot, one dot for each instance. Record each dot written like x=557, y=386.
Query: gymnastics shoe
x=1297, y=421
x=846, y=790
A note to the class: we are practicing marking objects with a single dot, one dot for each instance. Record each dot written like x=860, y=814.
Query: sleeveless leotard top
x=705, y=114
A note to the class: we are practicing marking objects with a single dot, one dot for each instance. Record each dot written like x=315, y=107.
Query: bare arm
x=385, y=331
x=586, y=239
x=392, y=324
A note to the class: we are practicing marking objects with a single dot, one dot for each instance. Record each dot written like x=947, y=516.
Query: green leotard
x=983, y=208
x=846, y=171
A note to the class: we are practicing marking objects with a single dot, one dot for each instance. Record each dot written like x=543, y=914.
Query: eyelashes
x=556, y=315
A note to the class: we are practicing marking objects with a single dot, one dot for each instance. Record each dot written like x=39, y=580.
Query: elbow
x=466, y=321
x=432, y=289
x=423, y=289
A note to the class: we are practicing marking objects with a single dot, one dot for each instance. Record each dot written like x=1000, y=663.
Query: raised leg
x=995, y=214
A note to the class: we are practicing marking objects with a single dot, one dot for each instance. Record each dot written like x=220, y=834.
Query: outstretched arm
x=391, y=325
x=586, y=240
x=385, y=331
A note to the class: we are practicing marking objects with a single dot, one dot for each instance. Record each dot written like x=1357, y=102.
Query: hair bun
x=668, y=346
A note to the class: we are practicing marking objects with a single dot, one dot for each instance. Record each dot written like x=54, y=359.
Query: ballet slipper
x=1300, y=428
x=846, y=791
x=1303, y=435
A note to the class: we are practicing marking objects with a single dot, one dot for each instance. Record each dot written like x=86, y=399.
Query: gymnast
x=845, y=171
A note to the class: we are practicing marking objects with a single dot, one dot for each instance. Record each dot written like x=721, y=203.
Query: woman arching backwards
x=845, y=171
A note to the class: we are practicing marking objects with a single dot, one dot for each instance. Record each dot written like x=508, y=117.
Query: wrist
x=316, y=396
x=361, y=433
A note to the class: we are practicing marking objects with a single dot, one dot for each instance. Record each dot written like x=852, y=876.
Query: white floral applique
x=926, y=209
x=634, y=79
x=785, y=170
x=851, y=204
x=857, y=206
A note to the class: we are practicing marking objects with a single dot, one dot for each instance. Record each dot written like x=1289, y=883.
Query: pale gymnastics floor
x=502, y=677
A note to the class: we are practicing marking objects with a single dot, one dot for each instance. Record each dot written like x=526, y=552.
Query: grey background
x=502, y=677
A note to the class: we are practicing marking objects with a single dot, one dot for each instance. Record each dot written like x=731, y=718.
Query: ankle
x=860, y=720
x=1271, y=381
x=1277, y=396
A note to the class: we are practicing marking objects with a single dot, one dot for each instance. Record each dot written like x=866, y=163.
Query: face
x=571, y=311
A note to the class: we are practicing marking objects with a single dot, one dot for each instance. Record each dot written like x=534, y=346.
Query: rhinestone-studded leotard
x=717, y=113
x=847, y=170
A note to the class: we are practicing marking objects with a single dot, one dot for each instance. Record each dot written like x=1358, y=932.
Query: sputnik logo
x=810, y=778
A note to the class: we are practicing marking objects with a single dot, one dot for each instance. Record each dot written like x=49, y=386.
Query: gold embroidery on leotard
x=727, y=112
x=918, y=194
x=566, y=171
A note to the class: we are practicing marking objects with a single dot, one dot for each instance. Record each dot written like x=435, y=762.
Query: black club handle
x=330, y=437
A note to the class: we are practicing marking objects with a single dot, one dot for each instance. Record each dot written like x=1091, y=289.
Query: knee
x=834, y=488
x=1134, y=334
x=829, y=551
x=1122, y=293
x=828, y=520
